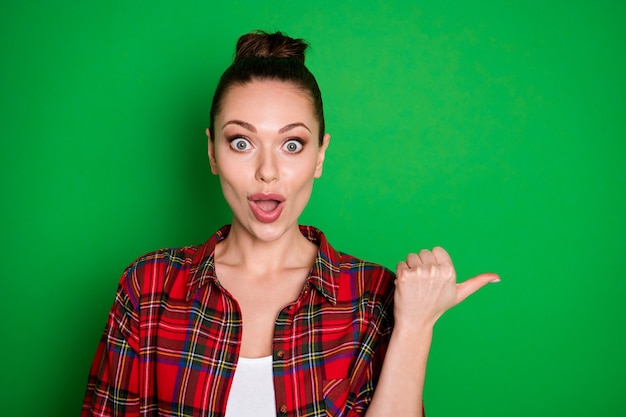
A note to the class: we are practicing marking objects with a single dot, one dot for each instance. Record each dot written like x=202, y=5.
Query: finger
x=413, y=260
x=441, y=256
x=470, y=286
x=427, y=257
x=401, y=266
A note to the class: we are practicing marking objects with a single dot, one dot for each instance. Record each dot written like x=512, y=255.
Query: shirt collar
x=324, y=275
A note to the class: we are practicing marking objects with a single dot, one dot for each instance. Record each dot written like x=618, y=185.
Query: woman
x=266, y=317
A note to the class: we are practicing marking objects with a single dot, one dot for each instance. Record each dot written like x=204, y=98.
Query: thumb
x=470, y=286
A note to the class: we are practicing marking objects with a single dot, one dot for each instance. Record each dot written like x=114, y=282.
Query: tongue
x=267, y=205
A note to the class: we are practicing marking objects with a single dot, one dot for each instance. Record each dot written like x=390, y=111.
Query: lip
x=262, y=215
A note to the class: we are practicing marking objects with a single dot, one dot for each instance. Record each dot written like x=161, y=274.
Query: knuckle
x=447, y=271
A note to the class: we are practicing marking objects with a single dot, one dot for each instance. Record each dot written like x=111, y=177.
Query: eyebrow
x=293, y=126
x=252, y=129
x=241, y=123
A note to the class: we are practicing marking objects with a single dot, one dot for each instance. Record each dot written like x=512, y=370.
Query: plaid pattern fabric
x=172, y=339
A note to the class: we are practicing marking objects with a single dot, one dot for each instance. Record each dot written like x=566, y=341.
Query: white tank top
x=252, y=391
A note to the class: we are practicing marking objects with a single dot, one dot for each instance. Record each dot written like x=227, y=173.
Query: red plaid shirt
x=172, y=339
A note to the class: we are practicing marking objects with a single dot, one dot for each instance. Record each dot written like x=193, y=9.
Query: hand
x=426, y=288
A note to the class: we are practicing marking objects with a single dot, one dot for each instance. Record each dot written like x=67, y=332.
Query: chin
x=269, y=232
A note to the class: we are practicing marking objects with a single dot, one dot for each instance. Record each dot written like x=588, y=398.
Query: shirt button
x=280, y=354
x=283, y=409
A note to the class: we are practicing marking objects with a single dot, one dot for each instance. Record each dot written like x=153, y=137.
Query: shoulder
x=370, y=276
x=165, y=257
x=153, y=271
x=162, y=260
x=352, y=264
x=355, y=275
x=167, y=272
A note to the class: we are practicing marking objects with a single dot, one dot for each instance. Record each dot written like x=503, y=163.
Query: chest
x=259, y=301
x=313, y=343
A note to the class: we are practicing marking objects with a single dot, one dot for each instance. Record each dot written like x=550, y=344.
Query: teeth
x=267, y=205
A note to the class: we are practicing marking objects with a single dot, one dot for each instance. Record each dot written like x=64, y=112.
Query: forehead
x=268, y=101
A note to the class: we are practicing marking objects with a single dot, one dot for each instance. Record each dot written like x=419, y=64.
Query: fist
x=426, y=287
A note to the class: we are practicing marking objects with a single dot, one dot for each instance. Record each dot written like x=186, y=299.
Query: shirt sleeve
x=378, y=333
x=113, y=386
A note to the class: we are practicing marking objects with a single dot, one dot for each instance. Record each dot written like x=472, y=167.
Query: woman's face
x=265, y=150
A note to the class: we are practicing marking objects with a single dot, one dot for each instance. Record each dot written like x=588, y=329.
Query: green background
x=494, y=129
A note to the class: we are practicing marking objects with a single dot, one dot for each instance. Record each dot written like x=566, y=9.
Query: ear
x=211, y=146
x=321, y=154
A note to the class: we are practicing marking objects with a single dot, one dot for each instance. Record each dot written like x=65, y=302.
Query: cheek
x=301, y=172
x=229, y=169
x=231, y=176
x=302, y=183
x=231, y=180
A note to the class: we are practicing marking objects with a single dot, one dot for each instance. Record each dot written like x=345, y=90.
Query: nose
x=267, y=170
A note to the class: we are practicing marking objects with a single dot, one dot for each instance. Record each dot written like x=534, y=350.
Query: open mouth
x=267, y=205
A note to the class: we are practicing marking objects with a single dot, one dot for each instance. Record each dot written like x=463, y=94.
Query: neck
x=241, y=248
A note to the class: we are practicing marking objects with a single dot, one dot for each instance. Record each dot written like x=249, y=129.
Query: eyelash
x=233, y=138
x=299, y=141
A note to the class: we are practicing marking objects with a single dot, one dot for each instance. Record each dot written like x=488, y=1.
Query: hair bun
x=270, y=45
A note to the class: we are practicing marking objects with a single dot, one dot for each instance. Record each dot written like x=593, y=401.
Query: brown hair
x=269, y=56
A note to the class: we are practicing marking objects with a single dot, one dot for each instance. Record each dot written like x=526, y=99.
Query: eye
x=240, y=144
x=293, y=146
